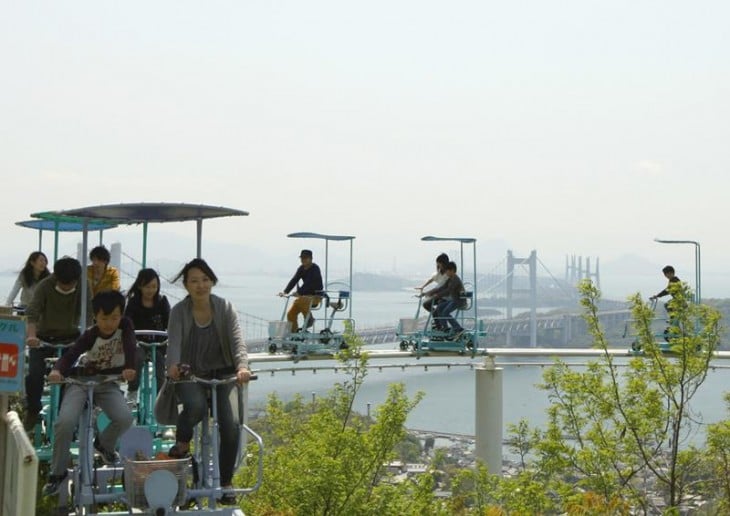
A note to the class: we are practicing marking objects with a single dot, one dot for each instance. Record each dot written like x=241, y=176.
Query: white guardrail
x=20, y=468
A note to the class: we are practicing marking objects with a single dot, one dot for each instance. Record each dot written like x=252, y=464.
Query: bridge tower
x=531, y=262
x=574, y=270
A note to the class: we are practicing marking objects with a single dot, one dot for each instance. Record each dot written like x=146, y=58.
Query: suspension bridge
x=516, y=298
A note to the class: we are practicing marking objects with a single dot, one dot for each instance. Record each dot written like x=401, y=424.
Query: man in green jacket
x=53, y=316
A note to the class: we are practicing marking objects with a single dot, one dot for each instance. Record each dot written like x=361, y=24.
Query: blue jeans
x=194, y=399
x=444, y=310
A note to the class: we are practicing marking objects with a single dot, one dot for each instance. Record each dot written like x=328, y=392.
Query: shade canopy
x=463, y=240
x=138, y=213
x=51, y=225
x=320, y=236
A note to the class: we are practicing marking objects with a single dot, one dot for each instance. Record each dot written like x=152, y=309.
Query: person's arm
x=430, y=280
x=165, y=312
x=239, y=350
x=89, y=309
x=316, y=278
x=129, y=344
x=33, y=314
x=438, y=291
x=14, y=291
x=457, y=289
x=174, y=341
x=116, y=284
x=82, y=345
x=665, y=292
x=130, y=310
x=238, y=344
x=297, y=276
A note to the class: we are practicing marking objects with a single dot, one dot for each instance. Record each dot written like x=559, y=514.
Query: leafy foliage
x=612, y=432
x=322, y=458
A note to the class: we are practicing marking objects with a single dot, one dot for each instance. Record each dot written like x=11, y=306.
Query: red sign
x=8, y=360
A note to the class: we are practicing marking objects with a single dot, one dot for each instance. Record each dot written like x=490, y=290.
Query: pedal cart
x=666, y=331
x=330, y=312
x=423, y=336
x=101, y=218
x=151, y=341
x=155, y=483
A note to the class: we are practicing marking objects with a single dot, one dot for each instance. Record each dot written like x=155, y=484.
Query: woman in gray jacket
x=204, y=333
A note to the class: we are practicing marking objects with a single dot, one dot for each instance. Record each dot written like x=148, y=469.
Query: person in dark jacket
x=148, y=310
x=451, y=296
x=53, y=315
x=308, y=294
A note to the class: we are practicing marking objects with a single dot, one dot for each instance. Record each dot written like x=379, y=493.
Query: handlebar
x=88, y=381
x=151, y=333
x=55, y=345
x=187, y=376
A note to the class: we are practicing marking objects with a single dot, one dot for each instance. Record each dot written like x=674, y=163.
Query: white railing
x=19, y=487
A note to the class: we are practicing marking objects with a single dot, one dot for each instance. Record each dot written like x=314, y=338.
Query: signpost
x=12, y=360
x=12, y=356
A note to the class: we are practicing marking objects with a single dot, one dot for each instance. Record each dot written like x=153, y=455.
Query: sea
x=448, y=383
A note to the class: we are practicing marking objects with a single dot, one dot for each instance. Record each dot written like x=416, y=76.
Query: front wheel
x=325, y=335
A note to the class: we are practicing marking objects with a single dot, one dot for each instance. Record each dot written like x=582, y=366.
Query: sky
x=569, y=127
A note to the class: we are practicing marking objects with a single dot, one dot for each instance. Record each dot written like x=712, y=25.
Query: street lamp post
x=698, y=296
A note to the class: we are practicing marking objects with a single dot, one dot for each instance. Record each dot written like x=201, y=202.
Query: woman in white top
x=36, y=268
x=439, y=278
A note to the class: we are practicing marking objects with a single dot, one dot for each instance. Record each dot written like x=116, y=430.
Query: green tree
x=323, y=458
x=617, y=431
x=718, y=461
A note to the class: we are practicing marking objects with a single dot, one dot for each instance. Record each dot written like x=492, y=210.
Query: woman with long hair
x=35, y=269
x=148, y=310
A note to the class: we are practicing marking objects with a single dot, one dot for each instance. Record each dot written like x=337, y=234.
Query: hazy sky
x=570, y=127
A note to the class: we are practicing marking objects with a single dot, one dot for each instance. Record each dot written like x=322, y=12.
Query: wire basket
x=407, y=326
x=279, y=329
x=137, y=471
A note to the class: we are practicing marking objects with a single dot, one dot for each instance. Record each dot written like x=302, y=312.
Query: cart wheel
x=294, y=349
x=272, y=348
x=635, y=346
x=469, y=342
x=325, y=335
x=403, y=345
x=343, y=345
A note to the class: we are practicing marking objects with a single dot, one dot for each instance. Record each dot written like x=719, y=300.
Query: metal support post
x=488, y=415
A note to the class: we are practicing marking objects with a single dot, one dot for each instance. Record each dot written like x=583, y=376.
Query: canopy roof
x=138, y=213
x=50, y=225
x=463, y=240
x=319, y=235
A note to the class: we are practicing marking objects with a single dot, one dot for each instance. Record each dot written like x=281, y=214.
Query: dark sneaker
x=30, y=421
x=228, y=499
x=107, y=457
x=457, y=335
x=176, y=452
x=53, y=486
